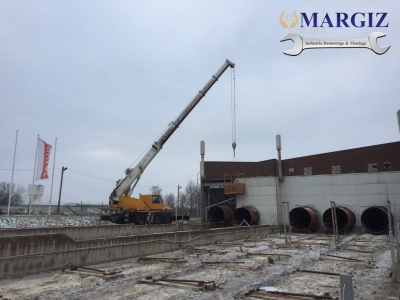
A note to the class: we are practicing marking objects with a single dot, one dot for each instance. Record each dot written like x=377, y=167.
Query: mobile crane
x=150, y=208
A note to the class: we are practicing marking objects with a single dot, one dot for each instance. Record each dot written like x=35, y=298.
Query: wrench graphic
x=302, y=43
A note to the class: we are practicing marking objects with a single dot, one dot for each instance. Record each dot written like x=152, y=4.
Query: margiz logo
x=335, y=20
x=314, y=23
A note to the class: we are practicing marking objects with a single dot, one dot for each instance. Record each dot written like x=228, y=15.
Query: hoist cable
x=233, y=111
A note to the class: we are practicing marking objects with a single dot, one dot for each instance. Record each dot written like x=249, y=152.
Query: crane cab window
x=157, y=199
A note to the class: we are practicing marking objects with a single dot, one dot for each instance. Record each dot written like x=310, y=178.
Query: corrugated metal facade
x=350, y=161
x=216, y=169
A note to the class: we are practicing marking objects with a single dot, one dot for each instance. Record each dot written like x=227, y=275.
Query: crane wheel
x=140, y=218
x=167, y=218
x=157, y=219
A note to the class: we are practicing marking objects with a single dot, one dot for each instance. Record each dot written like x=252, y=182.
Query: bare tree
x=191, y=194
x=182, y=201
x=156, y=190
x=169, y=199
x=18, y=194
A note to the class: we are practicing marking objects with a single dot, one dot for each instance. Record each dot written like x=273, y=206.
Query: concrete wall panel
x=260, y=181
x=371, y=200
x=345, y=200
x=339, y=179
x=255, y=200
x=372, y=189
x=261, y=191
x=340, y=190
x=378, y=177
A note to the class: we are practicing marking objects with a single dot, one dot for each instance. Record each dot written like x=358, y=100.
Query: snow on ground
x=75, y=209
x=39, y=218
x=43, y=221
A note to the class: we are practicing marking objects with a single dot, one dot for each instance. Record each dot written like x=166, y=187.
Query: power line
x=148, y=186
x=91, y=176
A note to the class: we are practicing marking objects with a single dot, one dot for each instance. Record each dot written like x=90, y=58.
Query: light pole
x=197, y=195
x=59, y=196
x=176, y=209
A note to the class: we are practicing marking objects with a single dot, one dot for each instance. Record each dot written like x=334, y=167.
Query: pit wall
x=97, y=232
x=23, y=255
x=356, y=191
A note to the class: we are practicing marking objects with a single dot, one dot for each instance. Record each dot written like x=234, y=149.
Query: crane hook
x=234, y=148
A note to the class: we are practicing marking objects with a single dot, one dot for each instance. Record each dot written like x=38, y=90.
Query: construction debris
x=317, y=272
x=202, y=251
x=228, y=264
x=68, y=269
x=272, y=295
x=341, y=257
x=162, y=259
x=196, y=285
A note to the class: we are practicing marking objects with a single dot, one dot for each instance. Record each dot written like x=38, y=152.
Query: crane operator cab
x=157, y=199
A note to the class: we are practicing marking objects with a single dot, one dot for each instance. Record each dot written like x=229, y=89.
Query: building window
x=373, y=167
x=336, y=170
x=291, y=171
x=308, y=171
x=387, y=165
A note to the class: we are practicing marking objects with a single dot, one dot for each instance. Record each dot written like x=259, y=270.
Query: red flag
x=43, y=158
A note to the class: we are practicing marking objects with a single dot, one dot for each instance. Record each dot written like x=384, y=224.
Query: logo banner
x=43, y=159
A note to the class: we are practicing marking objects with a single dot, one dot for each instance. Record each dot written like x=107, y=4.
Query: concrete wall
x=356, y=191
x=22, y=255
x=95, y=232
x=261, y=192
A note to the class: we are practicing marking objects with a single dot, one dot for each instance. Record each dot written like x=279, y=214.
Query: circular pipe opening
x=375, y=219
x=219, y=216
x=247, y=213
x=304, y=219
x=345, y=219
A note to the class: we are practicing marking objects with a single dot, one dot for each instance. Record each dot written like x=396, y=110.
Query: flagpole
x=52, y=176
x=12, y=175
x=34, y=170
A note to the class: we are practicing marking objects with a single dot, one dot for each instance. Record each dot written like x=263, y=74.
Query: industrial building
x=359, y=181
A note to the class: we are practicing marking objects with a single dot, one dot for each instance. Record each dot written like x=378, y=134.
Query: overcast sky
x=106, y=77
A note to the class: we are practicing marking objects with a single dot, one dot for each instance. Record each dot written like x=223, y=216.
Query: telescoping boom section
x=120, y=197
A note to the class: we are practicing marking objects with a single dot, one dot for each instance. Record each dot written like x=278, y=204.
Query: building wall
x=261, y=192
x=356, y=191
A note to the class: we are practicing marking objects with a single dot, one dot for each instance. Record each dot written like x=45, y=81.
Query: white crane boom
x=125, y=186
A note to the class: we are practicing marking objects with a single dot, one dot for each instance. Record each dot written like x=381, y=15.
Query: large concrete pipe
x=375, y=219
x=219, y=216
x=345, y=219
x=247, y=213
x=304, y=219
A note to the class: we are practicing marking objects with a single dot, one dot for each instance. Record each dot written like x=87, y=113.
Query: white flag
x=43, y=159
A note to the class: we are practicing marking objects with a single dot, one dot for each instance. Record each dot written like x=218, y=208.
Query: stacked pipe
x=246, y=213
x=304, y=219
x=375, y=219
x=219, y=216
x=345, y=219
